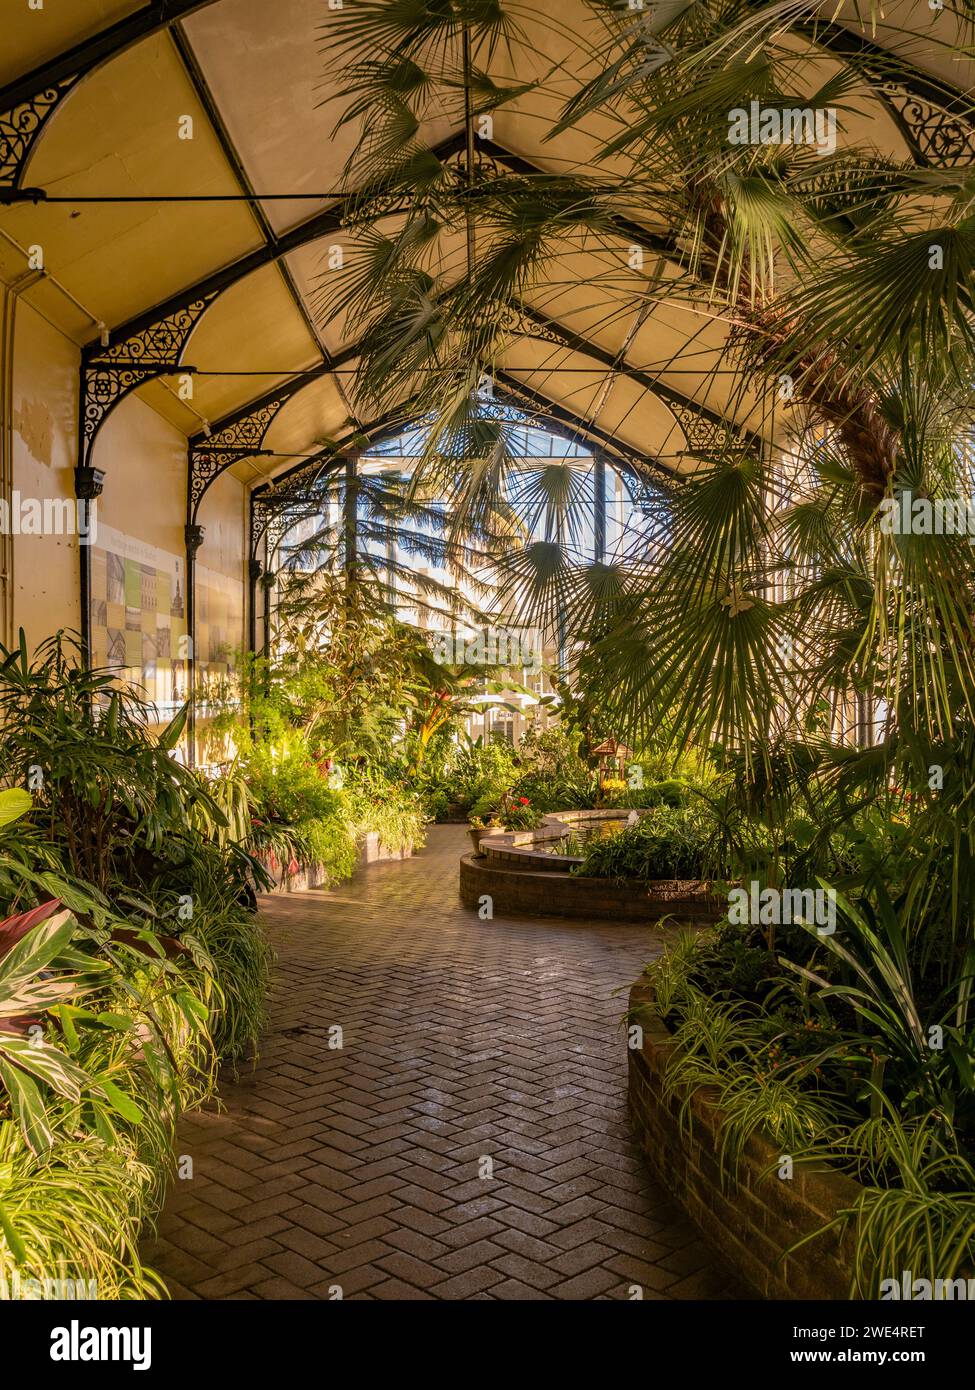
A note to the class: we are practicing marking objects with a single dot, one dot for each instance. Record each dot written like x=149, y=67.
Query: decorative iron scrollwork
x=278, y=527
x=205, y=466
x=940, y=138
x=365, y=208
x=20, y=127
x=250, y=431
x=486, y=168
x=704, y=433
x=370, y=205
x=226, y=447
x=517, y=321
x=110, y=374
x=276, y=512
x=261, y=513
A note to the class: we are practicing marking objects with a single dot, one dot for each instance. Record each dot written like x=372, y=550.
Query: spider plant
x=76, y=1213
x=920, y=1217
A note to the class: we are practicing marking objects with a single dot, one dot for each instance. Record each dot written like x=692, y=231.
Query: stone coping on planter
x=517, y=847
x=754, y=1220
x=519, y=889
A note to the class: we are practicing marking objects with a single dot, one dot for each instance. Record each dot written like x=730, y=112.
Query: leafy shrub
x=825, y=1045
x=289, y=787
x=392, y=811
x=667, y=843
x=551, y=772
x=328, y=844
x=77, y=1214
x=110, y=794
x=517, y=813
x=546, y=767
x=153, y=968
x=481, y=774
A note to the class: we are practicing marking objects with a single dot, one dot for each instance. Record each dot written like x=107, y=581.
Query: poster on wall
x=139, y=618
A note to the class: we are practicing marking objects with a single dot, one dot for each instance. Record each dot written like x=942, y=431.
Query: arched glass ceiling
x=533, y=440
x=549, y=468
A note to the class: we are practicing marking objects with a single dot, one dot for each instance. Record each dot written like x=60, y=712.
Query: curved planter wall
x=520, y=876
x=549, y=893
x=526, y=849
x=755, y=1221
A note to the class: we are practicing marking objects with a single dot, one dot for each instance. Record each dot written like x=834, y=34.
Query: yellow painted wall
x=139, y=563
x=139, y=517
x=44, y=424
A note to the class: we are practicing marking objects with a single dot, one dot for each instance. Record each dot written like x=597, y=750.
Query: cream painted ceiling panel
x=931, y=40
x=558, y=47
x=561, y=38
x=254, y=325
x=117, y=133
x=312, y=417
x=862, y=117
x=315, y=268
x=263, y=65
x=214, y=397
x=320, y=279
x=42, y=295
x=162, y=394
x=593, y=293
x=693, y=330
x=59, y=311
x=622, y=406
x=644, y=421
x=567, y=378
x=29, y=37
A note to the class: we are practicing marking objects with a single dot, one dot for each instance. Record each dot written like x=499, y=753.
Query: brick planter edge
x=754, y=1221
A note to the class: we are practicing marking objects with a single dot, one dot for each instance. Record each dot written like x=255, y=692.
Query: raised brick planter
x=371, y=851
x=546, y=893
x=752, y=1222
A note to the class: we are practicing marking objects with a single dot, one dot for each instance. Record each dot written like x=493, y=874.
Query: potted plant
x=478, y=828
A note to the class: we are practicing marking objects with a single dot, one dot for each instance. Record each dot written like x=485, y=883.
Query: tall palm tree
x=764, y=584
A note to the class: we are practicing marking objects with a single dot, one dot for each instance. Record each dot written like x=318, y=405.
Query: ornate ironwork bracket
x=515, y=319
x=705, y=434
x=938, y=137
x=278, y=527
x=21, y=126
x=261, y=513
x=375, y=203
x=110, y=374
x=274, y=514
x=223, y=448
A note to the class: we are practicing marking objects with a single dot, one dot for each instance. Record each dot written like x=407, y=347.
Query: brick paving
x=363, y=1168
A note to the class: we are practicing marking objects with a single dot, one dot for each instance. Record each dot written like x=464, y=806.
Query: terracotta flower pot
x=477, y=834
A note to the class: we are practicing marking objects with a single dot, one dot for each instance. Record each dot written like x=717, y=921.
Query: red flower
x=524, y=800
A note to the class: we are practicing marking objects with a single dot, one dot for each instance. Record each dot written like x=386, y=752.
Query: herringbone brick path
x=462, y=1041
